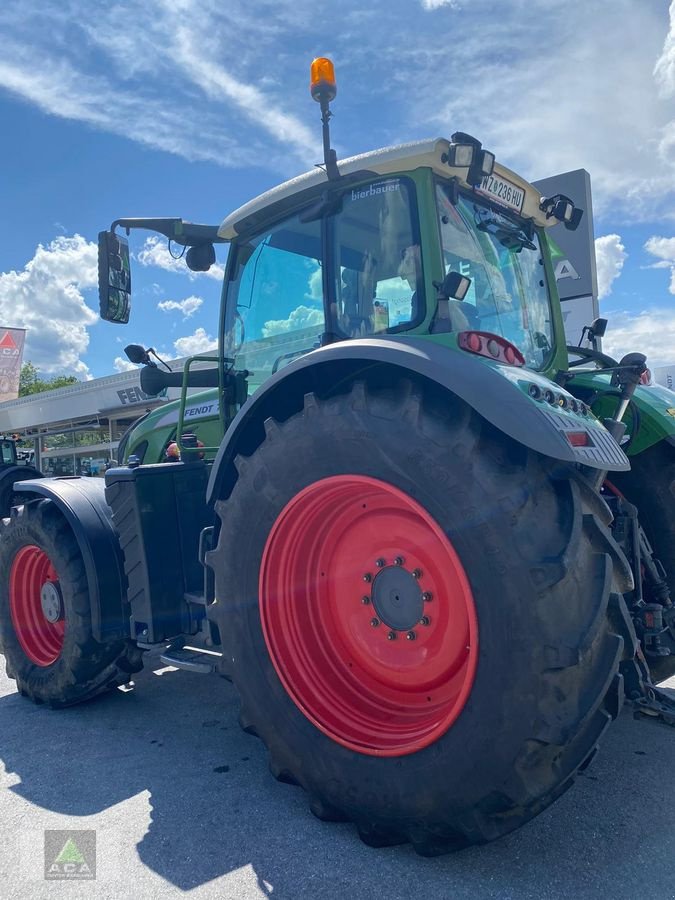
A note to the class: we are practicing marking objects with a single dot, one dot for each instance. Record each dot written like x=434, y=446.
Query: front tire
x=45, y=616
x=524, y=610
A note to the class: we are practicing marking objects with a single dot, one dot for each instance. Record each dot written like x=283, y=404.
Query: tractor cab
x=8, y=452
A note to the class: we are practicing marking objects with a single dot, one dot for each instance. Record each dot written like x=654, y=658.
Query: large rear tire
x=45, y=616
x=518, y=661
x=650, y=485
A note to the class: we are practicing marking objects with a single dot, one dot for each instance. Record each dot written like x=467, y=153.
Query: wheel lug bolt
x=410, y=636
x=365, y=600
x=416, y=573
x=368, y=577
x=399, y=561
x=374, y=622
x=426, y=596
x=425, y=620
x=380, y=563
x=391, y=636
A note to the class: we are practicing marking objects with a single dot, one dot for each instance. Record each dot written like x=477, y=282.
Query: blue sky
x=191, y=108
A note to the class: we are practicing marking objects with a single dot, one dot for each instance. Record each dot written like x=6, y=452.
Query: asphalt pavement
x=180, y=800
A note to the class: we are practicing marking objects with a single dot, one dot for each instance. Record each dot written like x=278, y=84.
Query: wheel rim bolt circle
x=368, y=577
x=416, y=573
x=365, y=600
x=425, y=620
x=374, y=622
x=426, y=596
x=380, y=563
x=399, y=561
x=410, y=636
x=391, y=636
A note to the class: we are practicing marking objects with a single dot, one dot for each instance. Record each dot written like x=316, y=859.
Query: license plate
x=501, y=190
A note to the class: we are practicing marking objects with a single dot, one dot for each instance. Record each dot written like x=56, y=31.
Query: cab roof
x=386, y=161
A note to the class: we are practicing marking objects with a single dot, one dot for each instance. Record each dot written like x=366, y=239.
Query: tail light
x=492, y=346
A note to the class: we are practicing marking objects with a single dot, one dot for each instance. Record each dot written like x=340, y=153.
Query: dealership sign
x=11, y=355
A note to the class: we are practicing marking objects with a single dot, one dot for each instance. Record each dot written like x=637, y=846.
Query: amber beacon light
x=322, y=80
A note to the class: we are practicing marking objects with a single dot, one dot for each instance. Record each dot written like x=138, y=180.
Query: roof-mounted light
x=323, y=89
x=322, y=84
x=466, y=151
x=563, y=209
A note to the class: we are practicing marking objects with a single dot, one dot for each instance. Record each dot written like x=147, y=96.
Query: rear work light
x=492, y=346
x=579, y=438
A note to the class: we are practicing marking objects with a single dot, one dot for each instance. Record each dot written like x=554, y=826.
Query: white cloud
x=123, y=365
x=664, y=70
x=212, y=81
x=652, y=332
x=610, y=255
x=187, y=307
x=155, y=252
x=302, y=317
x=196, y=343
x=46, y=299
x=664, y=250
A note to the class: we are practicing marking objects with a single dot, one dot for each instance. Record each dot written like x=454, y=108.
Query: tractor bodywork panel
x=650, y=417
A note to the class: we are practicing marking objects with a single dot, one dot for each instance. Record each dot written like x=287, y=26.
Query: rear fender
x=82, y=503
x=499, y=393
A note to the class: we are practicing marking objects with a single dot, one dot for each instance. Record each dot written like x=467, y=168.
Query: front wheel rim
x=40, y=638
x=368, y=615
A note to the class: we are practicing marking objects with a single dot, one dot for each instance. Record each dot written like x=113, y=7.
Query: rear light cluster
x=493, y=346
x=562, y=401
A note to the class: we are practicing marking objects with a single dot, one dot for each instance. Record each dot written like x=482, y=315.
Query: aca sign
x=11, y=354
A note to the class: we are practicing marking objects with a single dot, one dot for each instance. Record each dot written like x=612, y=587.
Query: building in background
x=75, y=430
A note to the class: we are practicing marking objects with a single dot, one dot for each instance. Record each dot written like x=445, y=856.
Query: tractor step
x=192, y=659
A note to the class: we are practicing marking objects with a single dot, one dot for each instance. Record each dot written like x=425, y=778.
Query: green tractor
x=15, y=467
x=407, y=538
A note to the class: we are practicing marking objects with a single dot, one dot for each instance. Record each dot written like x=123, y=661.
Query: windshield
x=508, y=294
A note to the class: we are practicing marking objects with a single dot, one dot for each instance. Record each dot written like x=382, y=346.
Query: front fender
x=499, y=393
x=655, y=404
x=83, y=505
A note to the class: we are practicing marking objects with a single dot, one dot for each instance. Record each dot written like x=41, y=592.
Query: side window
x=378, y=259
x=275, y=303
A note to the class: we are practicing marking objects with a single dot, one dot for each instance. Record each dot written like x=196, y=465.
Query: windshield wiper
x=509, y=234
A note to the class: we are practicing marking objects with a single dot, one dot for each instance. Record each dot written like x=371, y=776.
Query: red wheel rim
x=40, y=639
x=346, y=551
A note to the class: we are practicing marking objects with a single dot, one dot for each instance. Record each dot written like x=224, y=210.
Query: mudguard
x=655, y=406
x=82, y=502
x=499, y=393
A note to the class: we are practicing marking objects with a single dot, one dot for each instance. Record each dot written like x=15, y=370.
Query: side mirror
x=598, y=327
x=114, y=277
x=454, y=286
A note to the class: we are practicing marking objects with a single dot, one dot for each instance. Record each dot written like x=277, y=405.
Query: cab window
x=378, y=269
x=275, y=309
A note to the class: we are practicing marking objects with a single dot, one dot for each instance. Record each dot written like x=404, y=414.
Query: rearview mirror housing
x=114, y=277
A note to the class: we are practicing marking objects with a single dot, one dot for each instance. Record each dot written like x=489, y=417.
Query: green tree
x=31, y=382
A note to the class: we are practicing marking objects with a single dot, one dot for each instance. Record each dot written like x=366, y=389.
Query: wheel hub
x=51, y=601
x=397, y=598
x=368, y=615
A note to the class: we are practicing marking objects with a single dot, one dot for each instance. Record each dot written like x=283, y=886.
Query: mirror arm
x=189, y=234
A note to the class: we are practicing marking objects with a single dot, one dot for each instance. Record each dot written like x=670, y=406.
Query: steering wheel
x=588, y=353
